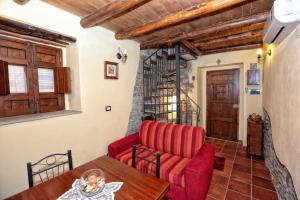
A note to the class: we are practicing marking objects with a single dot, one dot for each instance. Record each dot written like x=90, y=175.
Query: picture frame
x=111, y=70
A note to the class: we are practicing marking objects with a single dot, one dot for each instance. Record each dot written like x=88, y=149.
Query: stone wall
x=136, y=113
x=281, y=177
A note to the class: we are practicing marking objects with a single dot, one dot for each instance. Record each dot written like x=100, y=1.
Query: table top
x=137, y=185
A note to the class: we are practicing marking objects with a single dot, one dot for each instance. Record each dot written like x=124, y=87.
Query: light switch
x=107, y=108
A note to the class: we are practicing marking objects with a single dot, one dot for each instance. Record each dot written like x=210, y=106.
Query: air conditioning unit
x=283, y=19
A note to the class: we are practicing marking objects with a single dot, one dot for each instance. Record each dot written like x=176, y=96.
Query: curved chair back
x=49, y=167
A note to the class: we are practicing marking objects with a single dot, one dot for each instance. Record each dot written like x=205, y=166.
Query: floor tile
x=240, y=187
x=241, y=176
x=217, y=191
x=264, y=194
x=261, y=182
x=261, y=173
x=232, y=195
x=243, y=161
x=242, y=168
x=220, y=180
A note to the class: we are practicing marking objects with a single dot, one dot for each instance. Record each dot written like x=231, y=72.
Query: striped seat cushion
x=171, y=166
x=180, y=140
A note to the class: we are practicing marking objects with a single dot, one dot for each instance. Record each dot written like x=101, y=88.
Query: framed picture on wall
x=111, y=70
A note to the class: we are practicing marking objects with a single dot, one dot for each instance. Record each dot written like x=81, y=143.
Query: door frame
x=238, y=97
x=202, y=99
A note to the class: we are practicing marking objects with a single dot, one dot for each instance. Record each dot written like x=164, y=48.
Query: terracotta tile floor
x=242, y=178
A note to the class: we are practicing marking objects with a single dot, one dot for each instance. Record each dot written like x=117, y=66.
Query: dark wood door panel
x=222, y=104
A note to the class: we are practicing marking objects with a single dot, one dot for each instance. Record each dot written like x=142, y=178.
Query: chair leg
x=29, y=172
x=133, y=156
x=158, y=165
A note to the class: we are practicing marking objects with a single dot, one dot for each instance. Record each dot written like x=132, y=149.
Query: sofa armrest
x=198, y=173
x=123, y=144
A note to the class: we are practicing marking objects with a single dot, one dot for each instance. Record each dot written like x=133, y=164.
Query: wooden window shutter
x=4, y=78
x=62, y=80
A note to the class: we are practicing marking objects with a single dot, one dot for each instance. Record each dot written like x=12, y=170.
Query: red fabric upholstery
x=198, y=173
x=180, y=140
x=171, y=166
x=123, y=144
x=186, y=162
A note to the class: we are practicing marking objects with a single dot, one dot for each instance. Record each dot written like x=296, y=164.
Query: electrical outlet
x=107, y=108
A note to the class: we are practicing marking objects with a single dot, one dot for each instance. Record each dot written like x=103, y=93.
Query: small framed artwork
x=111, y=70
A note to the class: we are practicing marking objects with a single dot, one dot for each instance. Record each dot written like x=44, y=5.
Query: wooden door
x=17, y=55
x=223, y=104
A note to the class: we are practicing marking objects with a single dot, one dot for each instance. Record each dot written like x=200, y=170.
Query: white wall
x=282, y=102
x=236, y=59
x=89, y=133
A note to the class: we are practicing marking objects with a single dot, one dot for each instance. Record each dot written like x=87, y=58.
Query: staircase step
x=158, y=96
x=159, y=112
x=153, y=62
x=160, y=104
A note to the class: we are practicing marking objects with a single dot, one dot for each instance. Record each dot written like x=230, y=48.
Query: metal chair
x=49, y=167
x=156, y=162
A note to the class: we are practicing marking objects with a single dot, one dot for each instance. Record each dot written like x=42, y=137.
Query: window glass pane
x=17, y=79
x=46, y=80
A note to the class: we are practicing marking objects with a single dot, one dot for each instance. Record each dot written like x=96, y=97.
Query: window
x=17, y=79
x=32, y=79
x=46, y=80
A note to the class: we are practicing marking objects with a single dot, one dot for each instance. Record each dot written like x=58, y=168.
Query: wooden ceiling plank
x=191, y=47
x=230, y=39
x=197, y=11
x=236, y=23
x=234, y=31
x=236, y=48
x=111, y=11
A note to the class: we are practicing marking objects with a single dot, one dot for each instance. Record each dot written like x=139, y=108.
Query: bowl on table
x=92, y=182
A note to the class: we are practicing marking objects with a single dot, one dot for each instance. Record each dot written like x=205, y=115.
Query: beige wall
x=282, y=101
x=237, y=59
x=89, y=133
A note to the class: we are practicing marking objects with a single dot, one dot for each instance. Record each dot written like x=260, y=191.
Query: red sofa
x=186, y=161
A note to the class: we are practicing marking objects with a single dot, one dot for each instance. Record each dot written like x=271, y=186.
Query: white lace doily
x=106, y=194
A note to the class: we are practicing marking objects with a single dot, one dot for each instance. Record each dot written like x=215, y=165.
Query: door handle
x=235, y=106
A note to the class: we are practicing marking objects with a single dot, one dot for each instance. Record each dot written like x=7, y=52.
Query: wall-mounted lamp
x=260, y=57
x=270, y=52
x=122, y=55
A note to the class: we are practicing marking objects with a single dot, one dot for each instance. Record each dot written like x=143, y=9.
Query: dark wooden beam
x=215, y=29
x=110, y=11
x=240, y=39
x=236, y=48
x=197, y=11
x=26, y=30
x=191, y=47
x=234, y=31
x=32, y=39
x=21, y=2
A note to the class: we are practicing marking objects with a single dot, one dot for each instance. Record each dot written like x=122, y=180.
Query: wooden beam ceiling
x=235, y=48
x=237, y=25
x=197, y=11
x=110, y=11
x=191, y=47
x=240, y=39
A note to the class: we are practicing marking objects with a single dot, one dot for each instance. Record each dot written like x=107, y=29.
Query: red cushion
x=171, y=166
x=180, y=140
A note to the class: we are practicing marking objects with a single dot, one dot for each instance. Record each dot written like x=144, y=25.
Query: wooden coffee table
x=137, y=185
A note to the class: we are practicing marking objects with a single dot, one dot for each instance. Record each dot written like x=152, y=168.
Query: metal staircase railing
x=163, y=97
